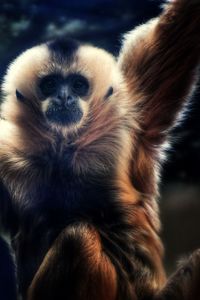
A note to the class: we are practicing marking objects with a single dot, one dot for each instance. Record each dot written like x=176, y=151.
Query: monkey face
x=62, y=81
x=62, y=97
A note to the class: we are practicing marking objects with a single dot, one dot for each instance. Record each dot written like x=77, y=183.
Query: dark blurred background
x=24, y=23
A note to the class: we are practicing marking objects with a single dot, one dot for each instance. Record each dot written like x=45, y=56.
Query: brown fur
x=93, y=275
x=121, y=140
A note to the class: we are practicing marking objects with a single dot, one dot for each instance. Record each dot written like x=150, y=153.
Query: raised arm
x=159, y=62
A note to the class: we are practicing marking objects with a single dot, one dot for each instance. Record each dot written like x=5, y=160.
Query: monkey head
x=58, y=82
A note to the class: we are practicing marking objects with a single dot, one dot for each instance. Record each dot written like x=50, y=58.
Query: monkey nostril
x=70, y=100
x=61, y=96
x=57, y=100
x=67, y=101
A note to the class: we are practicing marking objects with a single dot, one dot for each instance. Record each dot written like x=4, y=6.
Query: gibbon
x=82, y=138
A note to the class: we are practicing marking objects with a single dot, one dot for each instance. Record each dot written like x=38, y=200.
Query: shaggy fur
x=80, y=201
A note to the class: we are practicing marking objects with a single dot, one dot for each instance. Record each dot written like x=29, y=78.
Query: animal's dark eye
x=49, y=85
x=79, y=85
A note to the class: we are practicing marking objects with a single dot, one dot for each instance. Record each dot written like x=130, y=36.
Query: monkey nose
x=65, y=98
x=67, y=101
x=63, y=94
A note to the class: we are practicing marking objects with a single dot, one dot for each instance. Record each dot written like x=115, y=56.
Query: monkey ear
x=19, y=96
x=109, y=93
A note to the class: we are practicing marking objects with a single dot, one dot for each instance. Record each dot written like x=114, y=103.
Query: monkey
x=82, y=140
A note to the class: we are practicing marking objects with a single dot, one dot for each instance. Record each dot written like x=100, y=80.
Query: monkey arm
x=8, y=286
x=8, y=219
x=159, y=62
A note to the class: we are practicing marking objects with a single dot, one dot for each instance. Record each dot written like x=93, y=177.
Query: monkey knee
x=76, y=268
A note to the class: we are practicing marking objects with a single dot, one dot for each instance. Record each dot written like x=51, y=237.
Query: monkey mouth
x=59, y=114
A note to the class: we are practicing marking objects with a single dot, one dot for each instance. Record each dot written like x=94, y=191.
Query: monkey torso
x=48, y=192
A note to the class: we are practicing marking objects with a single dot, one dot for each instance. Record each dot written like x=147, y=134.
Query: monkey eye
x=49, y=85
x=79, y=85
